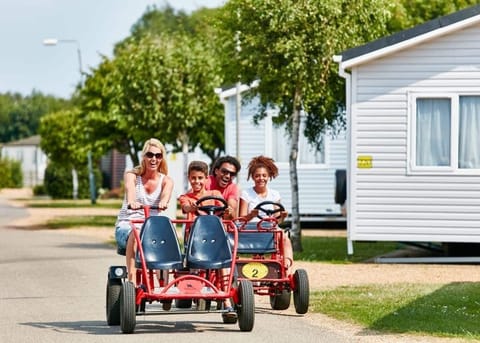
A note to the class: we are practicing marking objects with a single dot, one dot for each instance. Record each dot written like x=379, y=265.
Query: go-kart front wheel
x=127, y=307
x=301, y=292
x=246, y=307
x=114, y=287
x=281, y=300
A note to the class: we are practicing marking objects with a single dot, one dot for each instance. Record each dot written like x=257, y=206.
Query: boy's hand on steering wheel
x=228, y=213
x=191, y=208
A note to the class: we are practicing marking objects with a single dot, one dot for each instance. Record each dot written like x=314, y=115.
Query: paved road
x=53, y=290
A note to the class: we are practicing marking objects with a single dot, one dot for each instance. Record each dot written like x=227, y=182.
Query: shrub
x=59, y=185
x=11, y=175
x=39, y=190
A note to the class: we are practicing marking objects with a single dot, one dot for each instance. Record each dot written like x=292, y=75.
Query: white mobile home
x=316, y=170
x=33, y=160
x=413, y=114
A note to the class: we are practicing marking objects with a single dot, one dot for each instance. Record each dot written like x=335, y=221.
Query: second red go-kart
x=190, y=279
x=262, y=260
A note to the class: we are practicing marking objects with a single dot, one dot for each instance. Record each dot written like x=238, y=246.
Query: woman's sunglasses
x=150, y=154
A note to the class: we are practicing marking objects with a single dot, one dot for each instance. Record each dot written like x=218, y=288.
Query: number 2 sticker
x=255, y=270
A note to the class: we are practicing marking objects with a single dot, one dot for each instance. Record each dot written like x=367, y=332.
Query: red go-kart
x=189, y=279
x=261, y=259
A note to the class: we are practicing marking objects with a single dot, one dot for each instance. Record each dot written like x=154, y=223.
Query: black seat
x=254, y=242
x=160, y=244
x=208, y=247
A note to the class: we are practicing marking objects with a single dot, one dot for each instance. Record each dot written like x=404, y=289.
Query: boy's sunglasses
x=150, y=154
x=226, y=171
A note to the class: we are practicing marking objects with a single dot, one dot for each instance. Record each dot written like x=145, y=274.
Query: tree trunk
x=185, y=165
x=183, y=139
x=295, y=231
x=75, y=184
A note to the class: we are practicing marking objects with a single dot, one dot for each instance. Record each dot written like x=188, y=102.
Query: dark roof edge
x=404, y=35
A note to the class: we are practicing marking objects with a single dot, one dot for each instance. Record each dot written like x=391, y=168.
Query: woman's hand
x=134, y=205
x=162, y=205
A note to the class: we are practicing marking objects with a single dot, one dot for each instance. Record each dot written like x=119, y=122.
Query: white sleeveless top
x=142, y=197
x=253, y=199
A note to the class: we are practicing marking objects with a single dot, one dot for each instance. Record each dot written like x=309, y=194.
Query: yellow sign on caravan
x=364, y=161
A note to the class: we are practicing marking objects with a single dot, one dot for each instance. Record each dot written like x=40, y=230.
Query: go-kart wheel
x=281, y=300
x=127, y=307
x=114, y=287
x=246, y=307
x=301, y=292
x=183, y=303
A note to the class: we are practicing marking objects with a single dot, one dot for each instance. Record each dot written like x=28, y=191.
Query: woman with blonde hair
x=145, y=184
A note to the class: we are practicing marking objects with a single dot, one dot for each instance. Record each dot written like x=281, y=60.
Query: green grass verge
x=81, y=221
x=44, y=203
x=334, y=250
x=451, y=310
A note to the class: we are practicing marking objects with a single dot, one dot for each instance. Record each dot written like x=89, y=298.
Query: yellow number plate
x=255, y=270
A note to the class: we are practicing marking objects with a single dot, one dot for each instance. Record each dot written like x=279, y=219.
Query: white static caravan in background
x=33, y=160
x=413, y=115
x=316, y=171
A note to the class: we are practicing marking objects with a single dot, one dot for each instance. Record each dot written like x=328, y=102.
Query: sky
x=91, y=27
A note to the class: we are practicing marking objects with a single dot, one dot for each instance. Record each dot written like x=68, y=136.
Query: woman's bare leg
x=130, y=259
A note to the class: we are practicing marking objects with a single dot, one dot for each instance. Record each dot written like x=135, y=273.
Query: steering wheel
x=268, y=212
x=218, y=210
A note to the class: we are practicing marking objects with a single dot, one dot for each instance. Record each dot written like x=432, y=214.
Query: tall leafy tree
x=20, y=115
x=161, y=86
x=288, y=45
x=197, y=27
x=408, y=13
x=64, y=141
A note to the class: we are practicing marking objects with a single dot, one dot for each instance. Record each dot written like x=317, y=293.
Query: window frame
x=454, y=97
x=270, y=126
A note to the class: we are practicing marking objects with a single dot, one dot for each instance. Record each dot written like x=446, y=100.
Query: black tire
x=183, y=303
x=114, y=287
x=246, y=307
x=301, y=293
x=340, y=186
x=281, y=300
x=127, y=307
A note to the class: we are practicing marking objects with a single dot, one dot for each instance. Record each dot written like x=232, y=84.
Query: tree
x=196, y=27
x=288, y=45
x=408, y=13
x=160, y=86
x=20, y=116
x=64, y=141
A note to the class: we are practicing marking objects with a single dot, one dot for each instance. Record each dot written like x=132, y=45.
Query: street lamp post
x=91, y=176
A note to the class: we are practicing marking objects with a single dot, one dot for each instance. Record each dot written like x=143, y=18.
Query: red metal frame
x=273, y=261
x=184, y=284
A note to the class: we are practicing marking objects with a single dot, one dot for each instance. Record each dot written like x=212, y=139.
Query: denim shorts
x=122, y=231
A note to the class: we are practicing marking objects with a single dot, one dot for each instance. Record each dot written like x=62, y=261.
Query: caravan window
x=307, y=154
x=445, y=133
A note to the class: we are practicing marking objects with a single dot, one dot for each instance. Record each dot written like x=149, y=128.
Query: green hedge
x=58, y=181
x=11, y=175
